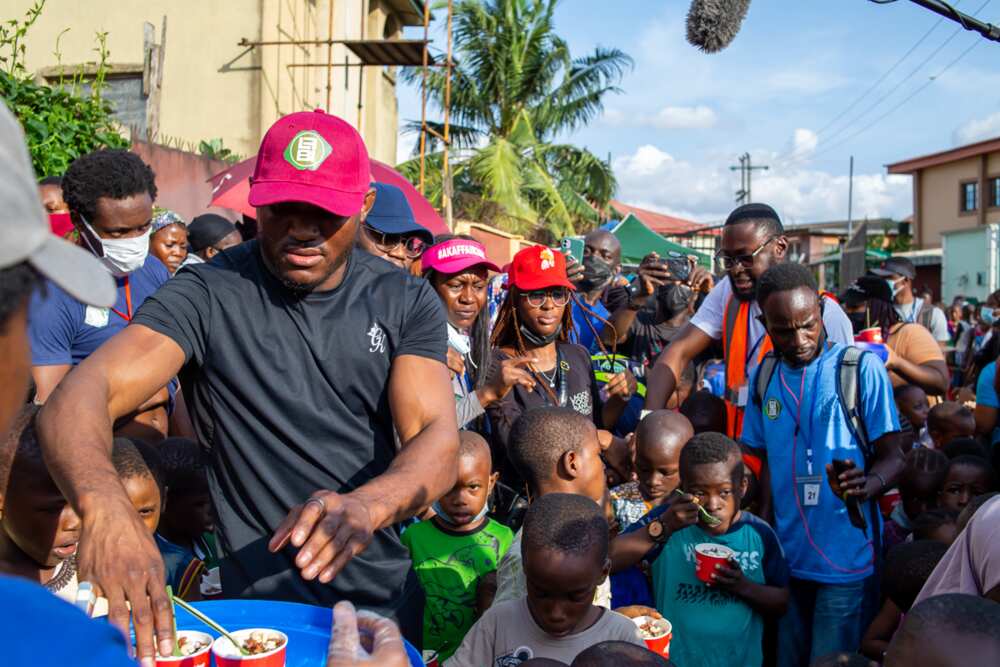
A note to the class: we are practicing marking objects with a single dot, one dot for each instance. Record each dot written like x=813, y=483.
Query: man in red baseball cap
x=300, y=358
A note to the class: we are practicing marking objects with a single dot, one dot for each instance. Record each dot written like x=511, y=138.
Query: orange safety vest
x=735, y=332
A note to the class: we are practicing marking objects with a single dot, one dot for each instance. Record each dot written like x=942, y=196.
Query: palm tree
x=515, y=91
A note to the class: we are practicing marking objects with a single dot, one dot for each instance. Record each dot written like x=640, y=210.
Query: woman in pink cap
x=458, y=269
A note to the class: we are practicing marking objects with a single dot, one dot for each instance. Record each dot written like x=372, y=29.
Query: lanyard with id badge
x=807, y=486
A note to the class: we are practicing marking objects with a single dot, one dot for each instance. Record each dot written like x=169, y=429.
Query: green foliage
x=515, y=89
x=60, y=122
x=887, y=243
x=215, y=150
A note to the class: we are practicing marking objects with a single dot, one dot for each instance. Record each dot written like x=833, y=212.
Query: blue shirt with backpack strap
x=846, y=405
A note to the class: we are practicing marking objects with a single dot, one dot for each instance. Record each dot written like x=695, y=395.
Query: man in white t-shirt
x=900, y=273
x=753, y=240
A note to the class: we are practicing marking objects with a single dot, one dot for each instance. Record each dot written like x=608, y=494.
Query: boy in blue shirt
x=799, y=427
x=720, y=623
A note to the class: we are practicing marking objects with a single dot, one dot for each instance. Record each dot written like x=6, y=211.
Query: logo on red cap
x=307, y=150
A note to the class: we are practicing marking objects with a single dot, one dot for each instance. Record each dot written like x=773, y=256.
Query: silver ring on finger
x=318, y=501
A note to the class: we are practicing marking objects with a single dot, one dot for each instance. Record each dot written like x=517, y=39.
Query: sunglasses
x=730, y=261
x=413, y=246
x=536, y=298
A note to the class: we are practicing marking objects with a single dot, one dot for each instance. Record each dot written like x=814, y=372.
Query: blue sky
x=796, y=65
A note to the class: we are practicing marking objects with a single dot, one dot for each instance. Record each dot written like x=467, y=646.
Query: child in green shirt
x=451, y=551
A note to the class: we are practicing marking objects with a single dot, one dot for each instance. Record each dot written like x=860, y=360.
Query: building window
x=995, y=192
x=970, y=196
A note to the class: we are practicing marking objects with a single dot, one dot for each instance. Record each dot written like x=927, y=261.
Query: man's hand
x=701, y=279
x=330, y=529
x=637, y=610
x=364, y=638
x=621, y=385
x=683, y=512
x=511, y=372
x=456, y=364
x=851, y=482
x=574, y=270
x=728, y=577
x=118, y=555
x=652, y=274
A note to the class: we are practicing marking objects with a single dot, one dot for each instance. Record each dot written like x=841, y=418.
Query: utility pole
x=850, y=200
x=746, y=167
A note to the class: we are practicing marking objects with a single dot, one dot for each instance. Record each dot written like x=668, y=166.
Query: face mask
x=893, y=287
x=673, y=299
x=596, y=273
x=859, y=321
x=539, y=341
x=458, y=341
x=444, y=516
x=986, y=313
x=121, y=256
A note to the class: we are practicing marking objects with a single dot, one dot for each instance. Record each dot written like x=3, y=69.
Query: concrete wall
x=182, y=179
x=214, y=88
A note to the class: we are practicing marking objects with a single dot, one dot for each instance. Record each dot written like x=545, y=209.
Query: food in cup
x=193, y=648
x=266, y=647
x=709, y=554
x=656, y=633
x=261, y=641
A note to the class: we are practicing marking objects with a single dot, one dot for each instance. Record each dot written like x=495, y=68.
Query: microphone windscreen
x=712, y=24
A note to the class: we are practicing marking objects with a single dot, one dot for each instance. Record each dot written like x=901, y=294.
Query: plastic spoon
x=709, y=519
x=209, y=622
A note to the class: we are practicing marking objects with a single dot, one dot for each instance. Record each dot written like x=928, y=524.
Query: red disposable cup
x=660, y=643
x=888, y=501
x=430, y=658
x=200, y=658
x=707, y=555
x=227, y=655
x=869, y=335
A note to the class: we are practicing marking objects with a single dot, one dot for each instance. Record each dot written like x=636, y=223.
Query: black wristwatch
x=657, y=531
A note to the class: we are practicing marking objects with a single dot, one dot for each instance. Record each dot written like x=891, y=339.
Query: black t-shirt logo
x=377, y=338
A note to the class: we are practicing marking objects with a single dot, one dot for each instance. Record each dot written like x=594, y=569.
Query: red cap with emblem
x=312, y=157
x=539, y=267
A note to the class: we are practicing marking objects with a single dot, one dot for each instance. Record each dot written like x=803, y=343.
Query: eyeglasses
x=536, y=298
x=413, y=246
x=729, y=262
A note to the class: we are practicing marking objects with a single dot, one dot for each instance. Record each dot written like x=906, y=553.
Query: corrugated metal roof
x=402, y=52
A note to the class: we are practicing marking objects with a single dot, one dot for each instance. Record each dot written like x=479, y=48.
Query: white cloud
x=668, y=118
x=804, y=142
x=683, y=118
x=978, y=129
x=705, y=191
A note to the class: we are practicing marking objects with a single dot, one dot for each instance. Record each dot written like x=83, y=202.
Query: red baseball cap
x=539, y=267
x=312, y=157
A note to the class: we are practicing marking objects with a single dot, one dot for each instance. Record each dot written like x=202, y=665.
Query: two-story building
x=229, y=69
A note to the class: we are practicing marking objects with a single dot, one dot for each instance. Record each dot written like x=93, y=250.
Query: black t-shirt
x=575, y=388
x=291, y=395
x=647, y=337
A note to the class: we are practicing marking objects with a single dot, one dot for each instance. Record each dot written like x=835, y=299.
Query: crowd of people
x=515, y=465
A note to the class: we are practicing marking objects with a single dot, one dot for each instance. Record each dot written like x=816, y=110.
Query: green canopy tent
x=638, y=240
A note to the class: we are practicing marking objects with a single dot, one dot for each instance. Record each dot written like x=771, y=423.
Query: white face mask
x=121, y=256
x=460, y=342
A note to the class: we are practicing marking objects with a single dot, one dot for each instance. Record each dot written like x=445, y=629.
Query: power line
x=794, y=158
x=884, y=76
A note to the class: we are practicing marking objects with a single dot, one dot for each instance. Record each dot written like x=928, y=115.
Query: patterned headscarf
x=164, y=218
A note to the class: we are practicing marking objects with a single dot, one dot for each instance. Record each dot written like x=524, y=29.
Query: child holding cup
x=721, y=569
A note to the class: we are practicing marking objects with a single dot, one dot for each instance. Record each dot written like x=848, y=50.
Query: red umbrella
x=230, y=189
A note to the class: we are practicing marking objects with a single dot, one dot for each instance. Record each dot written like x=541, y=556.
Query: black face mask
x=859, y=321
x=539, y=341
x=673, y=299
x=596, y=273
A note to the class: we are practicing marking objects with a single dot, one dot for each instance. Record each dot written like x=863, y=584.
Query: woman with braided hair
x=534, y=323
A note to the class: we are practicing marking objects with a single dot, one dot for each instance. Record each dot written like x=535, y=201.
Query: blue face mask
x=444, y=516
x=892, y=287
x=986, y=313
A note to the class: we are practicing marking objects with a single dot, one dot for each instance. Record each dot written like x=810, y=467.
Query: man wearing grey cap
x=900, y=273
x=28, y=253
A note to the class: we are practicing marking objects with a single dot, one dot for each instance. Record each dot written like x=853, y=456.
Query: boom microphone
x=712, y=24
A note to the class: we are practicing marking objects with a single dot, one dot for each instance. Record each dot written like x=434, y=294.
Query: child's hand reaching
x=683, y=512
